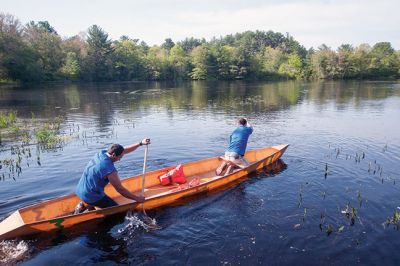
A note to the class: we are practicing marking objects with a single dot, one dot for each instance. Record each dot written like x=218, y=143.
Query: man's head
x=242, y=121
x=115, y=151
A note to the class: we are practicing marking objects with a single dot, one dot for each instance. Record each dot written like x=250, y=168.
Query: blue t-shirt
x=91, y=185
x=238, y=139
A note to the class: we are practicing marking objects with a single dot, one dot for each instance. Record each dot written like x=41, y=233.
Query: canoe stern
x=11, y=225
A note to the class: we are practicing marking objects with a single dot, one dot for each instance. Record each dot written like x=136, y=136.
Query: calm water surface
x=344, y=151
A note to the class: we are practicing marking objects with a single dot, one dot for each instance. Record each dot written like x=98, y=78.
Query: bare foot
x=220, y=169
x=229, y=170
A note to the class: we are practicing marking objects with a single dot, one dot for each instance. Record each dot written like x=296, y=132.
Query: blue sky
x=311, y=22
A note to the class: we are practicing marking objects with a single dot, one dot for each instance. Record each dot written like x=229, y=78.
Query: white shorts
x=235, y=158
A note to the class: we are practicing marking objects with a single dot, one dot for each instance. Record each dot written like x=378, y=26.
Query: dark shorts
x=105, y=202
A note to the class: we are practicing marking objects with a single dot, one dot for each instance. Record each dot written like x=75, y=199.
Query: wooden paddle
x=146, y=148
x=151, y=223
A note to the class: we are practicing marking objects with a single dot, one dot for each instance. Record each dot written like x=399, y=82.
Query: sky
x=311, y=22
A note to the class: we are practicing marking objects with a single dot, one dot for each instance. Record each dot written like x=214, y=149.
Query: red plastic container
x=175, y=175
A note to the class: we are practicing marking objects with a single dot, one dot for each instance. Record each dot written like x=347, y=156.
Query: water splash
x=12, y=251
x=134, y=222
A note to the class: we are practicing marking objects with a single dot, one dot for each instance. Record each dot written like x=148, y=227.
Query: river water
x=326, y=203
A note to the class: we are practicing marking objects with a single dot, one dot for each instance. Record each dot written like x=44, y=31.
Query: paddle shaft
x=146, y=148
x=144, y=167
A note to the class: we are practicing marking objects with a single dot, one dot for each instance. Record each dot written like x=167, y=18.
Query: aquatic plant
x=327, y=172
x=48, y=135
x=359, y=198
x=329, y=229
x=44, y=135
x=337, y=152
x=12, y=166
x=7, y=119
x=385, y=148
x=300, y=201
x=9, y=126
x=351, y=213
x=323, y=195
x=304, y=215
x=394, y=220
x=359, y=157
x=322, y=220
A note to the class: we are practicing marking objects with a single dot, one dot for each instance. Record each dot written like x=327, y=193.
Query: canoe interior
x=203, y=170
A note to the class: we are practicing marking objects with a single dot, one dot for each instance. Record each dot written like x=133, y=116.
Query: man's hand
x=139, y=198
x=145, y=142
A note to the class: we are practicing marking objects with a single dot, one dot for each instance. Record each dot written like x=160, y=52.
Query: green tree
x=398, y=61
x=188, y=44
x=346, y=61
x=179, y=62
x=199, y=56
x=17, y=60
x=46, y=44
x=144, y=48
x=225, y=56
x=45, y=25
x=98, y=63
x=157, y=63
x=325, y=63
x=361, y=61
x=75, y=51
x=384, y=61
x=289, y=45
x=36, y=52
x=71, y=67
x=128, y=60
x=272, y=59
x=168, y=44
x=307, y=71
x=292, y=68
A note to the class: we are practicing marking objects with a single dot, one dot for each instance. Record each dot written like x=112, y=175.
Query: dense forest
x=35, y=52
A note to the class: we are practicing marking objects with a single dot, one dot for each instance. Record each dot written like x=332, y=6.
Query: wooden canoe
x=56, y=214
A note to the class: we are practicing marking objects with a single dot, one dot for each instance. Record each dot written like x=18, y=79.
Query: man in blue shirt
x=237, y=146
x=98, y=173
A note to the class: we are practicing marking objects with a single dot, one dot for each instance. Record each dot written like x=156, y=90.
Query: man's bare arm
x=116, y=183
x=132, y=147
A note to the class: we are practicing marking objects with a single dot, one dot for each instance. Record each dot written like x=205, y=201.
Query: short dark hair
x=242, y=121
x=116, y=149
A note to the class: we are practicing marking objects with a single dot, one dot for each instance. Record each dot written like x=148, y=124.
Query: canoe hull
x=56, y=214
x=209, y=186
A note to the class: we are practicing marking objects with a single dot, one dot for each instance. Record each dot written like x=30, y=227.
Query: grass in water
x=45, y=135
x=394, y=220
x=7, y=119
x=17, y=135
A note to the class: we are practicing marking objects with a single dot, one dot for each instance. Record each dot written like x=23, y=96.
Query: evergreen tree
x=98, y=64
x=168, y=44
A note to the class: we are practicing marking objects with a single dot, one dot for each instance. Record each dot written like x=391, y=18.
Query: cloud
x=311, y=22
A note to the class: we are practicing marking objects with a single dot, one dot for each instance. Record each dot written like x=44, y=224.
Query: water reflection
x=103, y=100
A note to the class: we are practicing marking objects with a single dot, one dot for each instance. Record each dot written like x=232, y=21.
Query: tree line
x=35, y=52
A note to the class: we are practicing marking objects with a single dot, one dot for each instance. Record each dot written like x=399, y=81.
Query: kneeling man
x=98, y=173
